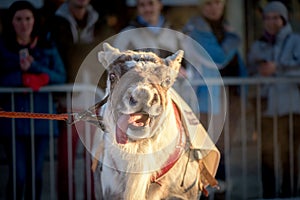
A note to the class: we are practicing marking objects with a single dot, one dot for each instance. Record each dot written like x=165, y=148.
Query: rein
x=89, y=115
x=63, y=116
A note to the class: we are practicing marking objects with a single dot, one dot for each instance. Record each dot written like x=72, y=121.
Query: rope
x=63, y=116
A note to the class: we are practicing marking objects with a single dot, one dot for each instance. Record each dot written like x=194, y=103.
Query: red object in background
x=35, y=81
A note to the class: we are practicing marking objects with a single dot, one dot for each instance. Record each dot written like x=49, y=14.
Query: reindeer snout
x=142, y=96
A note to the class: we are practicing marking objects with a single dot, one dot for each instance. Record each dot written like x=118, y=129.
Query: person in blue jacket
x=210, y=29
x=27, y=59
x=213, y=33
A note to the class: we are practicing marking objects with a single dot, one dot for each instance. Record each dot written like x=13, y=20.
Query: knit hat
x=277, y=7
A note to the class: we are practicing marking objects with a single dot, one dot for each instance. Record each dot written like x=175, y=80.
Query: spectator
x=27, y=60
x=277, y=54
x=148, y=15
x=155, y=35
x=211, y=30
x=77, y=29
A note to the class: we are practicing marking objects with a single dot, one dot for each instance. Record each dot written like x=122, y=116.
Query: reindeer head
x=137, y=85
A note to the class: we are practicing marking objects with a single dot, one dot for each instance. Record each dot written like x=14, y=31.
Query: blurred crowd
x=47, y=45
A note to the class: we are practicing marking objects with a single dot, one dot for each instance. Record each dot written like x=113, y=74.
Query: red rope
x=63, y=116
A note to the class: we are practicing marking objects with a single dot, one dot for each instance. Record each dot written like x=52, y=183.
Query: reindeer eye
x=112, y=77
x=166, y=82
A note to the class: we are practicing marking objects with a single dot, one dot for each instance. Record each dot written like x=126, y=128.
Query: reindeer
x=153, y=146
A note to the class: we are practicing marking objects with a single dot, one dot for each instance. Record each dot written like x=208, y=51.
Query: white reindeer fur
x=142, y=157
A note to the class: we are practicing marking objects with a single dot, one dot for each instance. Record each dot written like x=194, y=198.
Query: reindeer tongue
x=135, y=119
x=122, y=125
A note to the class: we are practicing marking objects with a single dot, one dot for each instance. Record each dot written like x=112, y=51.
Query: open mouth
x=134, y=121
x=139, y=119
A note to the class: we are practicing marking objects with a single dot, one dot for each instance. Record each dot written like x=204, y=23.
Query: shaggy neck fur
x=147, y=155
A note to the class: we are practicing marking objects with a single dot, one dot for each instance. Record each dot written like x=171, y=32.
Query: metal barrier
x=50, y=178
x=242, y=150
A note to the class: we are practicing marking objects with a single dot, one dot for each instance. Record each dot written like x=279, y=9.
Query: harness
x=179, y=150
x=205, y=177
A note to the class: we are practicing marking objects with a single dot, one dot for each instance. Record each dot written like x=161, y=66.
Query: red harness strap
x=174, y=157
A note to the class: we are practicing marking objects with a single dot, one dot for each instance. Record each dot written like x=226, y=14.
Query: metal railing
x=242, y=151
x=50, y=178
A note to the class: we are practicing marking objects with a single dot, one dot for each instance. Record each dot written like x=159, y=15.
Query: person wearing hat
x=27, y=59
x=277, y=54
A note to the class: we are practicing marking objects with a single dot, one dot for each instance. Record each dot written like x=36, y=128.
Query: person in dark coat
x=27, y=60
x=76, y=28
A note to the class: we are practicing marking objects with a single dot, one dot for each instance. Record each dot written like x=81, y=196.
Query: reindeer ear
x=108, y=55
x=174, y=62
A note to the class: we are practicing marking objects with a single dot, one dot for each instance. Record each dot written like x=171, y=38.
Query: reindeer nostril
x=154, y=99
x=132, y=101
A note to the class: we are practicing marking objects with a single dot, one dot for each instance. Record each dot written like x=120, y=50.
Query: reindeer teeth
x=139, y=119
